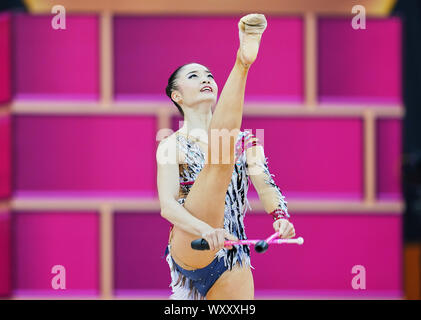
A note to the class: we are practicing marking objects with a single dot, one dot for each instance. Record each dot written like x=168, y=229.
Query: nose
x=206, y=80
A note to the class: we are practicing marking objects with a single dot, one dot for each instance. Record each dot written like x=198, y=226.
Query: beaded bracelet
x=278, y=214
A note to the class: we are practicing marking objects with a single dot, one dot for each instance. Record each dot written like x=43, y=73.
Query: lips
x=206, y=88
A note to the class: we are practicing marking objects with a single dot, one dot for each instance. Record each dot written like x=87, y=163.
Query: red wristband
x=278, y=214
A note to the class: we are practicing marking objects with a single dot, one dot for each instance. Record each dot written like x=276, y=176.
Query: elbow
x=165, y=208
x=163, y=212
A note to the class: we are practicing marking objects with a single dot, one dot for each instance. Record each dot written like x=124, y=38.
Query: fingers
x=220, y=238
x=285, y=228
x=290, y=231
x=230, y=236
x=210, y=237
x=213, y=240
x=291, y=234
x=216, y=239
x=282, y=228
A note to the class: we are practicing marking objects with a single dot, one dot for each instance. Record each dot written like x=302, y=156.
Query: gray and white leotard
x=236, y=203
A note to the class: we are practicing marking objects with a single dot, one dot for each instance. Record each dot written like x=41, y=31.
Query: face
x=195, y=84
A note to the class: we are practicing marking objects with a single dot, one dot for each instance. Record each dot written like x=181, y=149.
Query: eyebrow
x=195, y=71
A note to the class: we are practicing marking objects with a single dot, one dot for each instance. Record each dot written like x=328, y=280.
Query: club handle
x=200, y=244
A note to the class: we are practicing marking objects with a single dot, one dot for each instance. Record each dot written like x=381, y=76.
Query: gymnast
x=203, y=191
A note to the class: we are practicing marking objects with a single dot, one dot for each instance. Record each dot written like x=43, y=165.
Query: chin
x=211, y=98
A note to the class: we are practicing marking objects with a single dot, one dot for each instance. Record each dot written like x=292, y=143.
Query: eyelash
x=196, y=76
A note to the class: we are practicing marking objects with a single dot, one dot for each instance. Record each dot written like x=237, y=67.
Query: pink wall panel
x=5, y=58
x=333, y=244
x=389, y=153
x=158, y=45
x=320, y=266
x=139, y=246
x=5, y=156
x=359, y=65
x=42, y=240
x=85, y=155
x=313, y=158
x=61, y=64
x=5, y=254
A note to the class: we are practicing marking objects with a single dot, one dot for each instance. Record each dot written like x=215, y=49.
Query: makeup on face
x=205, y=88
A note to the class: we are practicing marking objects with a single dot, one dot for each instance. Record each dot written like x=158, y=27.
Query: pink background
x=42, y=240
x=359, y=65
x=5, y=254
x=5, y=156
x=5, y=61
x=84, y=156
x=334, y=243
x=389, y=150
x=61, y=64
x=311, y=158
x=211, y=41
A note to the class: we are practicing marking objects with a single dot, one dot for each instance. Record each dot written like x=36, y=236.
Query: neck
x=197, y=121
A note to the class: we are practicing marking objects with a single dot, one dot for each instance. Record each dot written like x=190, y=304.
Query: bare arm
x=168, y=188
x=269, y=193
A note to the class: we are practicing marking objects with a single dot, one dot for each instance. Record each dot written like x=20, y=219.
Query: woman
x=203, y=187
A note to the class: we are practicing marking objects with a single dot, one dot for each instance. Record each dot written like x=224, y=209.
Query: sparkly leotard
x=236, y=205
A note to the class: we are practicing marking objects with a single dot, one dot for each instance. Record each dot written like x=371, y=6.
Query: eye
x=193, y=75
x=211, y=76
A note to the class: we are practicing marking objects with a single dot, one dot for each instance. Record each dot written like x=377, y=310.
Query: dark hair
x=171, y=86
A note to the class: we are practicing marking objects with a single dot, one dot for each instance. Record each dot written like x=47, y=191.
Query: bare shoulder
x=167, y=141
x=167, y=152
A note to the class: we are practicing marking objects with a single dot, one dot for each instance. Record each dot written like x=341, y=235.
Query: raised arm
x=168, y=188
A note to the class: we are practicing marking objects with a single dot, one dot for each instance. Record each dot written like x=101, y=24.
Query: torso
x=193, y=161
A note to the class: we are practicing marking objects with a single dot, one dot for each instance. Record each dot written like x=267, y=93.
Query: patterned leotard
x=236, y=203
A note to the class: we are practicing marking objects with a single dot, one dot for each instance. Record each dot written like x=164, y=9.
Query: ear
x=176, y=96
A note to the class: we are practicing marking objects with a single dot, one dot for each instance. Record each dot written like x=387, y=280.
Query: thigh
x=206, y=198
x=235, y=284
x=205, y=201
